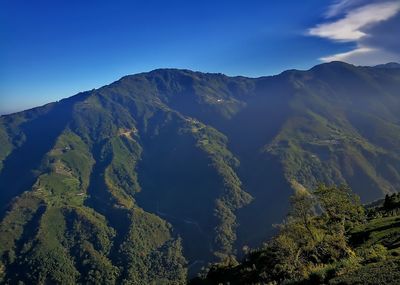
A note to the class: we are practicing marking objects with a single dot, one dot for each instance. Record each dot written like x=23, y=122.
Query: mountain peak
x=332, y=64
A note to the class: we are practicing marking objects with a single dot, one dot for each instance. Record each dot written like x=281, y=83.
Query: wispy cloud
x=350, y=28
x=340, y=6
x=352, y=53
x=361, y=22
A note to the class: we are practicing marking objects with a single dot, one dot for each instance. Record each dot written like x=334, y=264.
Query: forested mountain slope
x=342, y=243
x=166, y=171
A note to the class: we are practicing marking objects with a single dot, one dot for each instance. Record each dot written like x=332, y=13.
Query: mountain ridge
x=385, y=65
x=173, y=168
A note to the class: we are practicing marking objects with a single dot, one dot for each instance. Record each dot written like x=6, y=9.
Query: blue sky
x=53, y=49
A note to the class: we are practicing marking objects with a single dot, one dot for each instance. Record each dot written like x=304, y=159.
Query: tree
x=302, y=209
x=340, y=208
x=292, y=251
x=314, y=231
x=391, y=201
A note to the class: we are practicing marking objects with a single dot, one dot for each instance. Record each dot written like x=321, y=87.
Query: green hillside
x=344, y=244
x=158, y=174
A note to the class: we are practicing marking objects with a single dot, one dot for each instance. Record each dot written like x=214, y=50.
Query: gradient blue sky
x=53, y=49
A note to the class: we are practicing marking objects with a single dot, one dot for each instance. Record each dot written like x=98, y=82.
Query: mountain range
x=150, y=178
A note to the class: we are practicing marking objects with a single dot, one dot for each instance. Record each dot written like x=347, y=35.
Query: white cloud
x=350, y=27
x=340, y=6
x=372, y=27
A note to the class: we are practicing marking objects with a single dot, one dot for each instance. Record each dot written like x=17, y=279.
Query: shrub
x=375, y=253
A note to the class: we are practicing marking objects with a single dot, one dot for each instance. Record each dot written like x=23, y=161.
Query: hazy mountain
x=166, y=171
x=389, y=65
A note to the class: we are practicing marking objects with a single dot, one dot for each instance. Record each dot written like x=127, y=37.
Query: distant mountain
x=388, y=65
x=162, y=172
